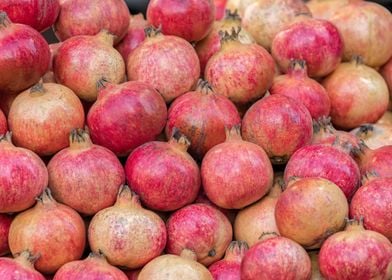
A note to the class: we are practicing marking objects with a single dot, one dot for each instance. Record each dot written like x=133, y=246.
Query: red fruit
x=22, y=267
x=23, y=176
x=374, y=135
x=24, y=56
x=358, y=95
x=126, y=116
x=85, y=176
x=275, y=257
x=42, y=117
x=372, y=260
x=190, y=19
x=200, y=228
x=202, y=116
x=279, y=124
x=164, y=175
x=298, y=85
x=314, y=40
x=326, y=9
x=82, y=61
x=225, y=167
x=168, y=63
x=95, y=266
x=321, y=160
x=242, y=72
x=80, y=17
x=5, y=223
x=220, y=6
x=377, y=161
x=129, y=235
x=3, y=123
x=51, y=229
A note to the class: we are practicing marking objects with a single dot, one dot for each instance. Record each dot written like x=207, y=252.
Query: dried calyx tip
x=4, y=20
x=78, y=135
x=152, y=31
x=179, y=137
x=230, y=36
x=6, y=137
x=29, y=256
x=101, y=83
x=297, y=63
x=354, y=222
x=366, y=128
x=39, y=87
x=357, y=59
x=232, y=15
x=322, y=123
x=204, y=86
x=47, y=194
x=268, y=233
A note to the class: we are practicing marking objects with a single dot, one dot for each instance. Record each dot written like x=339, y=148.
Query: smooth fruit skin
x=377, y=161
x=21, y=267
x=5, y=223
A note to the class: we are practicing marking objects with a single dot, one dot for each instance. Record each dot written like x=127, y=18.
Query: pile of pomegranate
x=213, y=139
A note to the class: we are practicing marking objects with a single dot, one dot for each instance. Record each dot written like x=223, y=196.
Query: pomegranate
x=358, y=94
x=386, y=72
x=386, y=118
x=275, y=257
x=46, y=228
x=373, y=259
x=279, y=124
x=6, y=102
x=362, y=27
x=22, y=267
x=224, y=167
x=42, y=117
x=3, y=123
x=316, y=274
x=314, y=40
x=85, y=176
x=150, y=163
x=320, y=160
x=95, y=266
x=128, y=235
x=80, y=17
x=175, y=267
x=140, y=116
x=23, y=176
x=229, y=268
x=326, y=9
x=169, y=63
x=5, y=223
x=374, y=135
x=191, y=19
x=220, y=6
x=242, y=72
x=74, y=70
x=200, y=228
x=298, y=85
x=24, y=56
x=378, y=161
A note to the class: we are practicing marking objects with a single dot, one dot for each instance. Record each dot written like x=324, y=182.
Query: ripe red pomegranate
x=242, y=72
x=73, y=70
x=373, y=260
x=23, y=176
x=200, y=228
x=21, y=267
x=136, y=235
x=362, y=26
x=85, y=176
x=126, y=116
x=95, y=266
x=24, y=56
x=220, y=7
x=326, y=9
x=5, y=223
x=164, y=175
x=374, y=135
x=223, y=169
x=80, y=17
x=378, y=161
x=314, y=40
x=169, y=63
x=279, y=124
x=229, y=268
x=320, y=161
x=42, y=117
x=275, y=257
x=190, y=19
x=3, y=123
x=47, y=228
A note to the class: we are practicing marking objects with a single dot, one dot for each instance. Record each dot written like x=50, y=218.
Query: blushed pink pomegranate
x=21, y=267
x=85, y=176
x=279, y=124
x=374, y=135
x=126, y=116
x=190, y=19
x=23, y=176
x=168, y=63
x=5, y=223
x=275, y=257
x=326, y=9
x=224, y=167
x=24, y=56
x=373, y=260
x=200, y=228
x=3, y=123
x=80, y=17
x=377, y=161
x=46, y=228
x=136, y=235
x=314, y=40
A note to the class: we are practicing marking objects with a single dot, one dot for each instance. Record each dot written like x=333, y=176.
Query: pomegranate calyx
x=369, y=176
x=127, y=198
x=79, y=139
x=99, y=256
x=102, y=83
x=46, y=197
x=236, y=251
x=106, y=37
x=152, y=31
x=212, y=253
x=267, y=235
x=38, y=88
x=365, y=130
x=7, y=137
x=298, y=67
x=233, y=133
x=357, y=59
x=232, y=15
x=27, y=258
x=188, y=254
x=204, y=86
x=179, y=140
x=354, y=224
x=323, y=124
x=4, y=19
x=226, y=36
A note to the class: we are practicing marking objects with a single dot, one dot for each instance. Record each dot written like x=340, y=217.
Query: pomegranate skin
x=22, y=267
x=80, y=17
x=279, y=124
x=3, y=123
x=135, y=103
x=374, y=135
x=372, y=258
x=24, y=56
x=386, y=72
x=5, y=223
x=200, y=228
x=191, y=19
x=314, y=40
x=377, y=161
